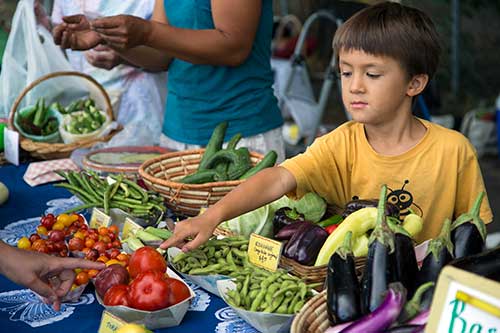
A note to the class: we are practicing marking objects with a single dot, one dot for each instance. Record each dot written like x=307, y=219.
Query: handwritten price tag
x=130, y=227
x=264, y=252
x=110, y=323
x=99, y=219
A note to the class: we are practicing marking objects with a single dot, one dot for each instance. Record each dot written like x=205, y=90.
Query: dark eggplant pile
x=391, y=275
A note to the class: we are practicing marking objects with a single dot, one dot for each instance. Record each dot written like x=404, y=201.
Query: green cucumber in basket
x=268, y=161
x=214, y=144
x=199, y=177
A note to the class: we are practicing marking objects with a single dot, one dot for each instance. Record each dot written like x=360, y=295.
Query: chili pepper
x=468, y=232
x=285, y=216
x=358, y=222
x=331, y=228
x=380, y=269
x=342, y=297
x=332, y=220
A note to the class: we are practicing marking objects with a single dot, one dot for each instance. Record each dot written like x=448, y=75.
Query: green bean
x=106, y=200
x=78, y=208
x=79, y=192
x=116, y=185
x=284, y=306
x=138, y=188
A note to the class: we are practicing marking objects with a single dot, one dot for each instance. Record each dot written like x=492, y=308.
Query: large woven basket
x=313, y=317
x=161, y=174
x=49, y=151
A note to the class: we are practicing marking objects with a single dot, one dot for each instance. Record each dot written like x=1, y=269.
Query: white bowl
x=168, y=317
x=263, y=321
x=68, y=137
x=207, y=282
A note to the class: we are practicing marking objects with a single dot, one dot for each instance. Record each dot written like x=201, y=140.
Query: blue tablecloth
x=22, y=311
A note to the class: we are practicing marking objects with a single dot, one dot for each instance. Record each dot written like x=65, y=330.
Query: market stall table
x=22, y=311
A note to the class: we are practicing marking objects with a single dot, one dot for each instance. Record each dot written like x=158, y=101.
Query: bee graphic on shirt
x=403, y=199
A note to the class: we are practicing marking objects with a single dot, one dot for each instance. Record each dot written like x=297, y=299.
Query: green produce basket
x=54, y=137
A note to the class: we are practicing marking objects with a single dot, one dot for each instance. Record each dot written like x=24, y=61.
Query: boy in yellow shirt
x=387, y=54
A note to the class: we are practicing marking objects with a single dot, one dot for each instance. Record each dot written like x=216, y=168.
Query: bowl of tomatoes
x=146, y=292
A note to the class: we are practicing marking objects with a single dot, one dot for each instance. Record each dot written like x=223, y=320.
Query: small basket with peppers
x=39, y=124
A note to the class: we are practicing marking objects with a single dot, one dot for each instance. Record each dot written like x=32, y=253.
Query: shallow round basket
x=47, y=151
x=313, y=317
x=161, y=174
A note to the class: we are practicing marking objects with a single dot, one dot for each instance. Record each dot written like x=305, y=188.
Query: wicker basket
x=313, y=317
x=49, y=151
x=161, y=174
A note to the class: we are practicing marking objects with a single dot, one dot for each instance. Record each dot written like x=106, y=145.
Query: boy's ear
x=417, y=84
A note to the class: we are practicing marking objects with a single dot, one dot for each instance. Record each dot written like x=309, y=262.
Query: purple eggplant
x=342, y=286
x=285, y=216
x=305, y=244
x=484, y=264
x=354, y=205
x=287, y=231
x=406, y=261
x=406, y=329
x=468, y=232
x=384, y=315
x=380, y=268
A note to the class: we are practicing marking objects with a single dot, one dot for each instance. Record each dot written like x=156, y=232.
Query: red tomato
x=34, y=237
x=48, y=221
x=178, y=291
x=92, y=254
x=76, y=244
x=116, y=295
x=149, y=292
x=144, y=260
x=100, y=247
x=112, y=253
x=82, y=278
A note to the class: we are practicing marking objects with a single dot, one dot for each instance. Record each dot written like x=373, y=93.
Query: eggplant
x=421, y=318
x=406, y=329
x=354, y=205
x=285, y=216
x=485, y=264
x=287, y=231
x=406, y=260
x=414, y=306
x=305, y=243
x=384, y=315
x=468, y=232
x=342, y=286
x=380, y=268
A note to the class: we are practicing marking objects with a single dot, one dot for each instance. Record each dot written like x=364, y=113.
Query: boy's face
x=374, y=88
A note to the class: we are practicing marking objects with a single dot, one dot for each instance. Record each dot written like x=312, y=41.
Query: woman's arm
x=266, y=186
x=229, y=43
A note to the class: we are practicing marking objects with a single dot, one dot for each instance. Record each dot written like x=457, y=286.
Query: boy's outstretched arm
x=266, y=186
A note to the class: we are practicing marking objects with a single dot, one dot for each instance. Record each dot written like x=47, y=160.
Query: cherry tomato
x=56, y=235
x=41, y=230
x=34, y=237
x=24, y=243
x=92, y=273
x=117, y=244
x=48, y=221
x=146, y=259
x=92, y=254
x=103, y=258
x=178, y=291
x=76, y=244
x=112, y=253
x=100, y=247
x=89, y=242
x=123, y=257
x=82, y=278
x=40, y=246
x=58, y=226
x=114, y=229
x=105, y=239
x=103, y=231
x=116, y=295
x=149, y=292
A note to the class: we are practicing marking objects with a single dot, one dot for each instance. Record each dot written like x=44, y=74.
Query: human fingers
x=116, y=43
x=65, y=39
x=74, y=19
x=109, y=32
x=66, y=278
x=57, y=33
x=72, y=263
x=200, y=239
x=102, y=48
x=107, y=22
x=43, y=289
x=176, y=240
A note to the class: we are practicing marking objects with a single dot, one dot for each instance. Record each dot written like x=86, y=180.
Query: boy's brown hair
x=391, y=29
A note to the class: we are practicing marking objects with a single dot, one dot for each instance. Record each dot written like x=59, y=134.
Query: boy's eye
x=345, y=73
x=372, y=75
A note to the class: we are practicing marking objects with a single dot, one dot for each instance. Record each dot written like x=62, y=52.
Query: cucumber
x=268, y=161
x=145, y=236
x=199, y=177
x=159, y=232
x=214, y=144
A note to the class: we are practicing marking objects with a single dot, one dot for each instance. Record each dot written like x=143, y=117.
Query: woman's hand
x=49, y=276
x=75, y=33
x=103, y=57
x=122, y=32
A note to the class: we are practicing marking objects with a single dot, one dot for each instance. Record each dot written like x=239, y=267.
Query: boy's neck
x=397, y=137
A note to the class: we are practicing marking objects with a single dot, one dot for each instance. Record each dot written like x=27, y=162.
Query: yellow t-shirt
x=438, y=178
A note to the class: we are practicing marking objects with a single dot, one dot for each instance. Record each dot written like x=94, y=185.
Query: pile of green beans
x=264, y=291
x=216, y=256
x=123, y=194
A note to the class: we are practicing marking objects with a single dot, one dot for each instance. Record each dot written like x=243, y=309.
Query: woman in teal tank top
x=217, y=53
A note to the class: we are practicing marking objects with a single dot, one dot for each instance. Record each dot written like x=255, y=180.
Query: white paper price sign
x=465, y=303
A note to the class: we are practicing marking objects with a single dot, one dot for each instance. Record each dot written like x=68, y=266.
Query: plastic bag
x=479, y=127
x=29, y=54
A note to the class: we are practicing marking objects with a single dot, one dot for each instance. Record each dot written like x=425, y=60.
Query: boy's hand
x=75, y=33
x=199, y=228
